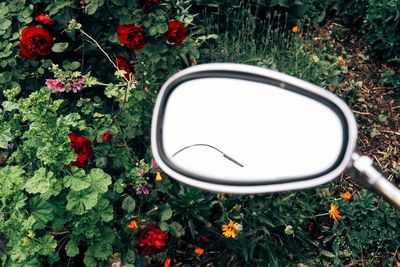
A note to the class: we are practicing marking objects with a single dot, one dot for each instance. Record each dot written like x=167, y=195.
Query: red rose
x=44, y=19
x=151, y=2
x=132, y=36
x=123, y=64
x=176, y=33
x=36, y=43
x=107, y=136
x=151, y=239
x=82, y=148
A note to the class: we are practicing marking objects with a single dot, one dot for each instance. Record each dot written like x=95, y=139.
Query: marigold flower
x=347, y=195
x=198, y=251
x=167, y=262
x=158, y=177
x=295, y=29
x=133, y=225
x=334, y=212
x=230, y=230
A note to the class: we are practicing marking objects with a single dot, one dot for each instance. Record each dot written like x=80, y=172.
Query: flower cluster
x=151, y=240
x=133, y=36
x=82, y=149
x=74, y=85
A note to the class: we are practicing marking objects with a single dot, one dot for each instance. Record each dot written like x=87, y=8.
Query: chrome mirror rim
x=245, y=71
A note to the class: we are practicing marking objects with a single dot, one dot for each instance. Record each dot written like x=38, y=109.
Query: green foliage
x=352, y=12
x=382, y=29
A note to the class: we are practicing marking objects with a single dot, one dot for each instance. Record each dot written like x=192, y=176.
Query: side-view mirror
x=242, y=129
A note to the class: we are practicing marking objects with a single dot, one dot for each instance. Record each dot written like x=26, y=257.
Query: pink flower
x=144, y=189
x=154, y=165
x=57, y=85
x=116, y=264
x=76, y=85
x=141, y=172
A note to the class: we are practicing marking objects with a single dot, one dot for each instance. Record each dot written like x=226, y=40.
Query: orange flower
x=231, y=229
x=133, y=225
x=295, y=29
x=341, y=61
x=199, y=251
x=334, y=212
x=158, y=177
x=167, y=262
x=346, y=195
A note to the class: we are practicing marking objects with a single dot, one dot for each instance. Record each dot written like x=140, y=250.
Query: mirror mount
x=365, y=172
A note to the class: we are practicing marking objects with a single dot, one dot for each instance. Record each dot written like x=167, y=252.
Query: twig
x=362, y=113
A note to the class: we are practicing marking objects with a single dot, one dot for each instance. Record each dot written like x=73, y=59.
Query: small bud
x=74, y=25
x=289, y=230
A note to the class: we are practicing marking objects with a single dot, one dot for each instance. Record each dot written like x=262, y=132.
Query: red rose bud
x=108, y=136
x=151, y=2
x=151, y=240
x=132, y=36
x=44, y=19
x=36, y=43
x=123, y=64
x=82, y=149
x=176, y=33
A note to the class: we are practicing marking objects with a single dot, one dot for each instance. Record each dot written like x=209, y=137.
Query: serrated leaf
x=129, y=204
x=41, y=210
x=81, y=201
x=165, y=212
x=72, y=248
x=99, y=180
x=176, y=229
x=130, y=257
x=44, y=183
x=77, y=182
x=59, y=47
x=8, y=105
x=5, y=136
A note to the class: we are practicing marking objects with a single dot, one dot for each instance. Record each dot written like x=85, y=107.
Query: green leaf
x=328, y=254
x=72, y=248
x=81, y=201
x=78, y=181
x=8, y=105
x=41, y=210
x=99, y=180
x=5, y=136
x=59, y=47
x=5, y=24
x=165, y=212
x=44, y=183
x=129, y=204
x=91, y=8
x=176, y=229
x=74, y=65
x=129, y=257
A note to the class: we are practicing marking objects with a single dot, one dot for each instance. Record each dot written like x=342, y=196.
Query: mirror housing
x=178, y=98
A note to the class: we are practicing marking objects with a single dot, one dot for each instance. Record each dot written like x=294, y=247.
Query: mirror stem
x=369, y=176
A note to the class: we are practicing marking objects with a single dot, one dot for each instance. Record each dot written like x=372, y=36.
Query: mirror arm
x=368, y=175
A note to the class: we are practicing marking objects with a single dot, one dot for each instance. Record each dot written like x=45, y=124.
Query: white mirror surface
x=272, y=134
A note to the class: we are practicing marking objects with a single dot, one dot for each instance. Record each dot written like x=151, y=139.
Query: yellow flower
x=54, y=245
x=295, y=29
x=334, y=212
x=133, y=225
x=158, y=177
x=231, y=229
x=341, y=61
x=25, y=241
x=346, y=195
x=31, y=234
x=199, y=251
